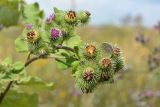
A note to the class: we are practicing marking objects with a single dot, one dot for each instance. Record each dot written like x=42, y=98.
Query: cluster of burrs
x=98, y=64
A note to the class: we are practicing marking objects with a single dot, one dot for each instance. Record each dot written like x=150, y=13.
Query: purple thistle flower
x=55, y=33
x=29, y=26
x=50, y=18
x=48, y=21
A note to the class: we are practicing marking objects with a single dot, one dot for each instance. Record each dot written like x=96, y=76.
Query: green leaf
x=21, y=45
x=65, y=63
x=15, y=99
x=36, y=83
x=16, y=75
x=18, y=67
x=56, y=10
x=61, y=64
x=59, y=15
x=33, y=14
x=7, y=61
x=45, y=33
x=75, y=40
x=74, y=66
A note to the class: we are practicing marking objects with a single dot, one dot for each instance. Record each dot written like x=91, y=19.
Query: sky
x=108, y=11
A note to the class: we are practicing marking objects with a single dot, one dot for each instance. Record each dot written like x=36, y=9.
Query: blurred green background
x=137, y=77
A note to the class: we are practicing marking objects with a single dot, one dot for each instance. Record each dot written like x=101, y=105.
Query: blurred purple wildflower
x=141, y=38
x=157, y=27
x=75, y=92
x=147, y=94
x=29, y=26
x=50, y=18
x=55, y=33
x=140, y=97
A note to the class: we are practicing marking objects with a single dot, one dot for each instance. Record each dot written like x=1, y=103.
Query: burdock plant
x=91, y=63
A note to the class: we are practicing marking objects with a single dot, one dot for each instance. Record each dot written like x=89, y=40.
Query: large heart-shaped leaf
x=33, y=14
x=74, y=41
x=21, y=45
x=18, y=67
x=36, y=83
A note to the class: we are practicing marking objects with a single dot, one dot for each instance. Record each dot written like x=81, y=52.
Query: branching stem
x=28, y=62
x=65, y=48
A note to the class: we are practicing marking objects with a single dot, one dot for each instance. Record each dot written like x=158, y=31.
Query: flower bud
x=116, y=51
x=50, y=19
x=55, y=34
x=70, y=17
x=84, y=16
x=87, y=78
x=29, y=26
x=105, y=63
x=90, y=50
x=88, y=74
x=104, y=77
x=63, y=33
x=32, y=36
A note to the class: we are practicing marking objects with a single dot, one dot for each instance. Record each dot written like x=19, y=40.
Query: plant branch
x=60, y=46
x=28, y=62
x=65, y=48
x=2, y=95
x=29, y=55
